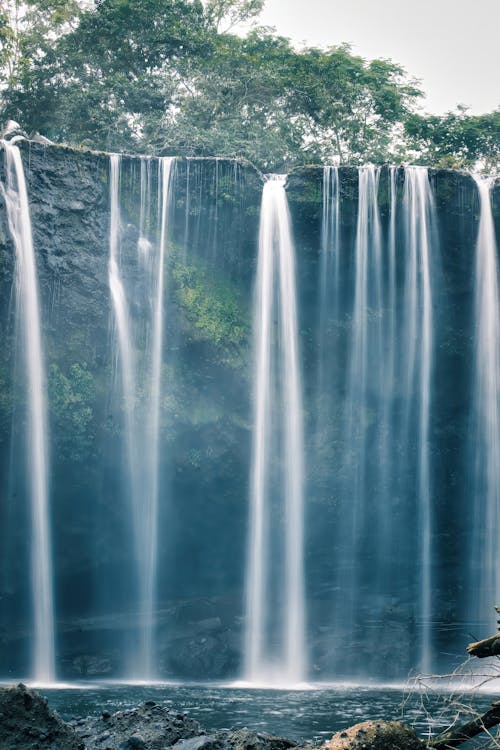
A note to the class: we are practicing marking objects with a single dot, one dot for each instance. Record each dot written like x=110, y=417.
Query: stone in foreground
x=150, y=726
x=27, y=723
x=375, y=735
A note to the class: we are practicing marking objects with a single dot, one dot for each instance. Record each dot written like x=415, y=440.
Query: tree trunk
x=487, y=647
x=455, y=737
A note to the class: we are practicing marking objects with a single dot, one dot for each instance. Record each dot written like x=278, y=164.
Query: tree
x=170, y=77
x=456, y=139
x=224, y=15
x=91, y=85
x=351, y=107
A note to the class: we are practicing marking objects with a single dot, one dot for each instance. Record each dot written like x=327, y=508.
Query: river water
x=300, y=714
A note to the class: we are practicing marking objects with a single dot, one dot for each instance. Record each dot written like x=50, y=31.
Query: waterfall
x=485, y=433
x=37, y=438
x=388, y=385
x=364, y=377
x=416, y=358
x=277, y=422
x=384, y=484
x=142, y=421
x=148, y=530
x=329, y=302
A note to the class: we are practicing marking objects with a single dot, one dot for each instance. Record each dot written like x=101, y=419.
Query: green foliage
x=169, y=78
x=212, y=309
x=225, y=14
x=456, y=139
x=71, y=399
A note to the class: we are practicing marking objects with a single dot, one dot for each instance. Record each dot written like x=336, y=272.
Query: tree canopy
x=173, y=77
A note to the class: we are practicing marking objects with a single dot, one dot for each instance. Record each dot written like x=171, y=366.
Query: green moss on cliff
x=212, y=309
x=71, y=398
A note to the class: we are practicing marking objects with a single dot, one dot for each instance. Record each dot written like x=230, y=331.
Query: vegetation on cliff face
x=211, y=309
x=72, y=398
x=173, y=77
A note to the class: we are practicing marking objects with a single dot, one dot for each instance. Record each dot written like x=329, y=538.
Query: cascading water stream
x=330, y=236
x=148, y=529
x=329, y=303
x=364, y=381
x=416, y=356
x=485, y=433
x=122, y=321
x=28, y=320
x=142, y=425
x=276, y=277
x=386, y=407
x=388, y=383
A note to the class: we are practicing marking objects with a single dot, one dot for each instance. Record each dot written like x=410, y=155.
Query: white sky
x=452, y=46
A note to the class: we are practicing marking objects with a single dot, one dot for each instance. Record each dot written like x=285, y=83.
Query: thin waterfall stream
x=418, y=211
x=485, y=432
x=37, y=433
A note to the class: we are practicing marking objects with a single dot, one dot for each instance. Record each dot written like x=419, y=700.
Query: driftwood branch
x=467, y=731
x=487, y=647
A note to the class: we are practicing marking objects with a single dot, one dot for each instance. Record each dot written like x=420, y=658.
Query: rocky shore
x=28, y=723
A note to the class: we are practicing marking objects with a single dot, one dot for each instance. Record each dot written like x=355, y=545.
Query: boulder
x=243, y=739
x=154, y=727
x=27, y=723
x=375, y=735
x=148, y=727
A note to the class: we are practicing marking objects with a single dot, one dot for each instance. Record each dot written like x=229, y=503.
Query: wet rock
x=206, y=653
x=375, y=735
x=12, y=129
x=136, y=742
x=27, y=723
x=148, y=727
x=243, y=739
x=196, y=743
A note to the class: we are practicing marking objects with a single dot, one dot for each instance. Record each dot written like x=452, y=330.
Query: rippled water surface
x=299, y=715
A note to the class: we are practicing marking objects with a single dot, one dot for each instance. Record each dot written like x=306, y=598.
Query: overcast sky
x=452, y=46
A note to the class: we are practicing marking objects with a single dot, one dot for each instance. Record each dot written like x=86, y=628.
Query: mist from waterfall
x=28, y=323
x=485, y=432
x=275, y=609
x=141, y=387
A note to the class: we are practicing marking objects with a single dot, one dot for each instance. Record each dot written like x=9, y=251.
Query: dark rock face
x=376, y=735
x=205, y=433
x=205, y=421
x=27, y=723
x=387, y=611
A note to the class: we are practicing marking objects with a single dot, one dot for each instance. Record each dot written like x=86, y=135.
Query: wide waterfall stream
x=276, y=373
x=271, y=407
x=141, y=420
